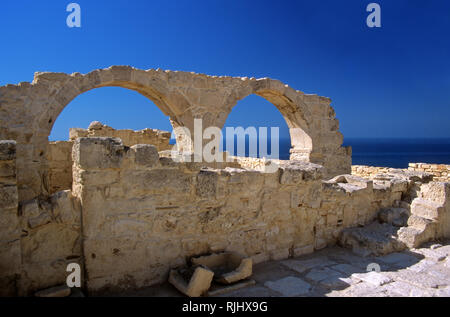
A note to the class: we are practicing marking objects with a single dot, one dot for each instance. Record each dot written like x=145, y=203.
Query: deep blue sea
x=394, y=152
x=398, y=152
x=391, y=152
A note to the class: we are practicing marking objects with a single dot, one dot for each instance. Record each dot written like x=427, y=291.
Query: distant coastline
x=390, y=152
x=398, y=152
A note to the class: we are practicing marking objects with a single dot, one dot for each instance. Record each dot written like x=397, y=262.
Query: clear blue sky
x=388, y=82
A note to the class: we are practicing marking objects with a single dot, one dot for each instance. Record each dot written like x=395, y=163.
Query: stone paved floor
x=339, y=272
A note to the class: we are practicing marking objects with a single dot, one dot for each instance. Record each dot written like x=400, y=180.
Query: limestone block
x=98, y=153
x=38, y=276
x=60, y=151
x=75, y=133
x=66, y=208
x=438, y=192
x=192, y=286
x=50, y=242
x=112, y=256
x=295, y=172
x=426, y=208
x=158, y=180
x=7, y=169
x=291, y=176
x=98, y=177
x=228, y=267
x=206, y=185
x=95, y=125
x=32, y=209
x=146, y=155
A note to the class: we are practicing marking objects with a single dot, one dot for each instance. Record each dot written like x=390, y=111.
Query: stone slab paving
x=337, y=272
x=289, y=286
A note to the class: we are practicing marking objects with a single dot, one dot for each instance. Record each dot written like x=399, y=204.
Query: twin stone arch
x=184, y=96
x=29, y=111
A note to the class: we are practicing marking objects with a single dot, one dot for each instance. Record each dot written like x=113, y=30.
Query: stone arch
x=64, y=88
x=313, y=128
x=294, y=111
x=34, y=107
x=29, y=111
x=256, y=111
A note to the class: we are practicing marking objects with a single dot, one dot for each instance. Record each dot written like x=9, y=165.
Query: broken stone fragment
x=146, y=154
x=228, y=267
x=192, y=286
x=95, y=125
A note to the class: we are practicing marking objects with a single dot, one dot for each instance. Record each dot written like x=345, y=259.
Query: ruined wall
x=254, y=162
x=143, y=214
x=441, y=172
x=59, y=166
x=10, y=256
x=160, y=139
x=38, y=237
x=29, y=110
x=371, y=171
x=51, y=239
x=438, y=211
x=59, y=153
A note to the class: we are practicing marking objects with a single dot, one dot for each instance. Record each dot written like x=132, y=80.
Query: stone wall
x=441, y=172
x=439, y=210
x=160, y=139
x=59, y=153
x=10, y=256
x=143, y=213
x=38, y=237
x=59, y=166
x=134, y=214
x=50, y=240
x=254, y=162
x=370, y=171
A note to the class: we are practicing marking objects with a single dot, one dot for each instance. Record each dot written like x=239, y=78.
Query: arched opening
x=264, y=130
x=117, y=107
x=118, y=112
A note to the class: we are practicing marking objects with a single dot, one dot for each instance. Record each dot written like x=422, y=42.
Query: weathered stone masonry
x=29, y=110
x=143, y=213
x=59, y=154
x=127, y=213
